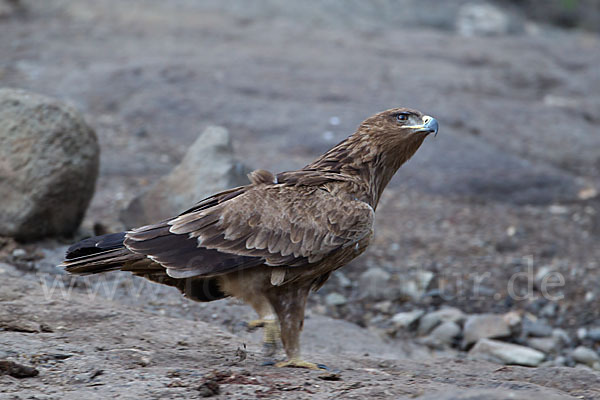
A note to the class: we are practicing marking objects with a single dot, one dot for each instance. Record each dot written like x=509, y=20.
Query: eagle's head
x=399, y=125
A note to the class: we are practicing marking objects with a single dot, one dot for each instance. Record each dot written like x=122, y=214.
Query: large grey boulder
x=49, y=162
x=207, y=168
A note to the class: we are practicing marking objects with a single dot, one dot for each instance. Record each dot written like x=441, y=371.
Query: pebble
x=549, y=310
x=443, y=335
x=561, y=335
x=383, y=306
x=536, y=328
x=585, y=355
x=435, y=318
x=545, y=344
x=19, y=253
x=406, y=319
x=373, y=281
x=512, y=318
x=506, y=353
x=343, y=280
x=594, y=334
x=335, y=299
x=484, y=326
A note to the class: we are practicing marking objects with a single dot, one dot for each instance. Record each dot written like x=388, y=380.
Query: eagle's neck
x=369, y=161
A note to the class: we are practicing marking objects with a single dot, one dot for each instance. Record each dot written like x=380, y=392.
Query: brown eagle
x=272, y=241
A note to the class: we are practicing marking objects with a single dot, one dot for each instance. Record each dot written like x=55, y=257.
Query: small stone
x=131, y=357
x=560, y=361
x=16, y=370
x=383, y=306
x=335, y=299
x=536, y=328
x=587, y=193
x=512, y=318
x=585, y=355
x=19, y=253
x=445, y=333
x=581, y=333
x=482, y=19
x=506, y=353
x=589, y=296
x=343, y=279
x=484, y=326
x=549, y=310
x=541, y=273
x=433, y=319
x=562, y=336
x=558, y=210
x=594, y=334
x=373, y=281
x=406, y=319
x=545, y=344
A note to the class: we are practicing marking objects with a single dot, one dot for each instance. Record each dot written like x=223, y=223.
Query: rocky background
x=486, y=246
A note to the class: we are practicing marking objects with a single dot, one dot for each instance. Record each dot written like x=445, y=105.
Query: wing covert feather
x=276, y=225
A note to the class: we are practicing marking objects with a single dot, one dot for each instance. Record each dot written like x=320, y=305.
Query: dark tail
x=98, y=254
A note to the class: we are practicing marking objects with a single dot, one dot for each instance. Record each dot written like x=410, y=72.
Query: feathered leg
x=268, y=321
x=289, y=303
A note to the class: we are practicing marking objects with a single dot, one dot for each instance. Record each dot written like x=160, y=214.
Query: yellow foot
x=299, y=363
x=257, y=323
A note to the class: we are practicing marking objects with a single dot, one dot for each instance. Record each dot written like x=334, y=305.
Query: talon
x=257, y=323
x=298, y=363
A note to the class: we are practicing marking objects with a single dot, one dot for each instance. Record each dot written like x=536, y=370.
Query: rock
x=545, y=344
x=373, y=281
x=505, y=353
x=561, y=335
x=585, y=355
x=512, y=318
x=19, y=253
x=481, y=19
x=484, y=326
x=443, y=335
x=593, y=334
x=536, y=328
x=501, y=393
x=384, y=306
x=343, y=280
x=549, y=310
x=433, y=319
x=10, y=8
x=207, y=168
x=408, y=286
x=16, y=370
x=406, y=319
x=335, y=299
x=49, y=164
x=131, y=358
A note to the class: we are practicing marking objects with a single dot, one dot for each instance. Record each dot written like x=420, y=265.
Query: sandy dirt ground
x=513, y=176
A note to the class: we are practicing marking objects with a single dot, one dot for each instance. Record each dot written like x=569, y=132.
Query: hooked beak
x=430, y=125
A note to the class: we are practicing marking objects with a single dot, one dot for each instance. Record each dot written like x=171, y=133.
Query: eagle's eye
x=402, y=117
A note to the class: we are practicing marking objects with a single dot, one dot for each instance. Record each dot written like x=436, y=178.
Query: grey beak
x=431, y=124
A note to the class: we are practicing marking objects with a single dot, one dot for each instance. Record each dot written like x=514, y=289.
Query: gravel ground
x=509, y=186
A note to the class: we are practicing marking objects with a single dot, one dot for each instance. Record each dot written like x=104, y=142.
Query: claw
x=257, y=323
x=299, y=363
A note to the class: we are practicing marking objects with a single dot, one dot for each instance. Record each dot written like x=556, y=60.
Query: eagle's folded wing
x=276, y=225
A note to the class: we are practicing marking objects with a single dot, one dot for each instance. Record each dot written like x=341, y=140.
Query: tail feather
x=98, y=254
